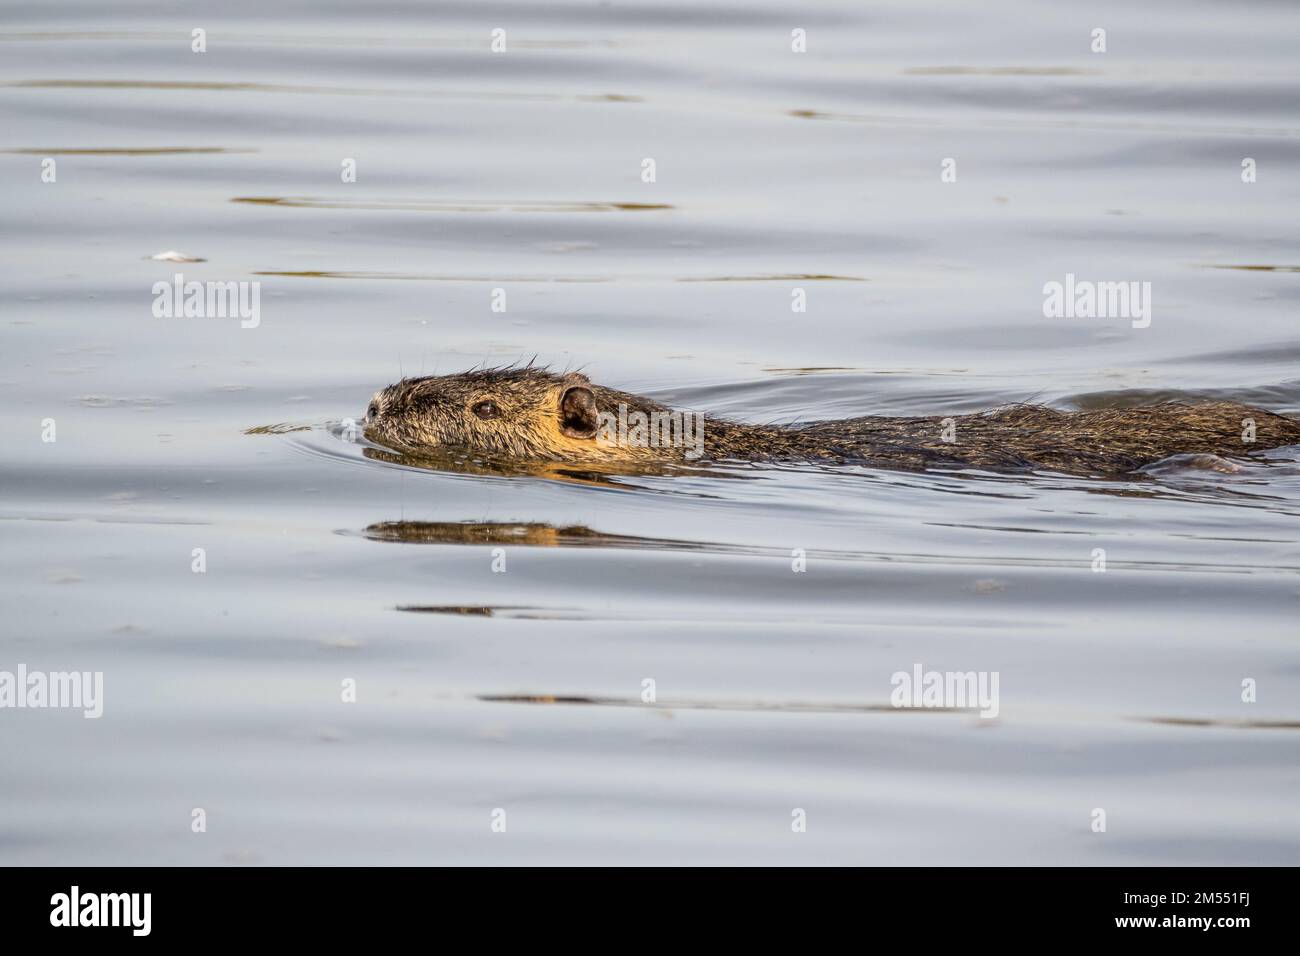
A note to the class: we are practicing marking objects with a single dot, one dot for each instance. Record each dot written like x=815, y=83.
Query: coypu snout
x=523, y=412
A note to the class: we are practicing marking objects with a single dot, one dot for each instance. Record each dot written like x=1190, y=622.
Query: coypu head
x=518, y=412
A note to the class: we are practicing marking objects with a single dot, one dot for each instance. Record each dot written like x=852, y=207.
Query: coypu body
x=530, y=413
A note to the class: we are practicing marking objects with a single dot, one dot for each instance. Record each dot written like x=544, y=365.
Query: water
x=523, y=691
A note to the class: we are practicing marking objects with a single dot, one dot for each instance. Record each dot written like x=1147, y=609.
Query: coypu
x=531, y=413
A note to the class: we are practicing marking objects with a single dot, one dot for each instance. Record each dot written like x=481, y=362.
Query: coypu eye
x=373, y=410
x=486, y=410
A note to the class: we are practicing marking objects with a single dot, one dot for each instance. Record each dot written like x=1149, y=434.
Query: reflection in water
x=307, y=40
x=840, y=708
x=125, y=151
x=786, y=277
x=520, y=613
x=462, y=610
x=1261, y=268
x=533, y=534
x=450, y=205
x=245, y=87
x=538, y=534
x=333, y=274
x=821, y=370
x=793, y=707
x=547, y=277
x=998, y=71
x=1213, y=722
x=958, y=121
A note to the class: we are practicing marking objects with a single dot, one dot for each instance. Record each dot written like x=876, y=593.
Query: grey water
x=679, y=668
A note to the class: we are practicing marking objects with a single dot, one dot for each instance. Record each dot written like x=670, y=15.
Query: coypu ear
x=578, y=413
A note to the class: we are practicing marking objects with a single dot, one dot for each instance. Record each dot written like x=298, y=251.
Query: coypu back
x=1110, y=442
x=528, y=413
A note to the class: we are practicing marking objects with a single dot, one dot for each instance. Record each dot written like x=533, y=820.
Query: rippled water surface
x=477, y=690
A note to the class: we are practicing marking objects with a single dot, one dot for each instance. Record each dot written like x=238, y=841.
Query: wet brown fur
x=420, y=413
